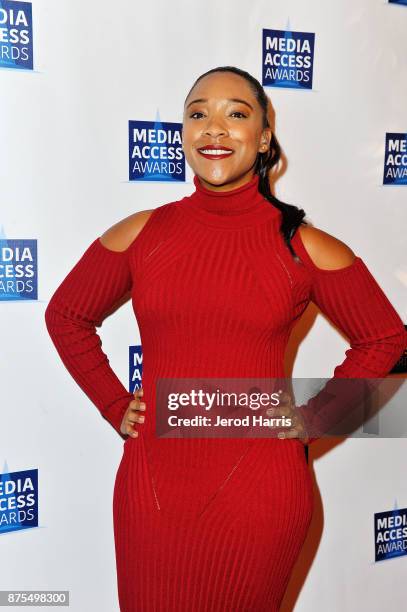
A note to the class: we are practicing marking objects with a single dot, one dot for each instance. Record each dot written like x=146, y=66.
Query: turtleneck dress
x=211, y=524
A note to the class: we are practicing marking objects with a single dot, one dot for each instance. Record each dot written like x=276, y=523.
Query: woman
x=218, y=279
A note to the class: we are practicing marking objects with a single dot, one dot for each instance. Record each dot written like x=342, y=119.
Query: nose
x=214, y=127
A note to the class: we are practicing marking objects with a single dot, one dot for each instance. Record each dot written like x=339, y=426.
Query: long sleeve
x=94, y=286
x=354, y=301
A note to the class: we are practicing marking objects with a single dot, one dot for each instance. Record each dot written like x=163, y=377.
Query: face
x=222, y=111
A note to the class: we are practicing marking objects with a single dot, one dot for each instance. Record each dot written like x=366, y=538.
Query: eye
x=192, y=116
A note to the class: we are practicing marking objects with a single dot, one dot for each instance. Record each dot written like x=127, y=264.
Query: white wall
x=64, y=180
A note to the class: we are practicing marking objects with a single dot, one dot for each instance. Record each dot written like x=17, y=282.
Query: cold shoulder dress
x=211, y=525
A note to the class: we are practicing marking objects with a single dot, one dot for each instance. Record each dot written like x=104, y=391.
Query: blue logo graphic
x=395, y=159
x=18, y=269
x=135, y=367
x=155, y=151
x=288, y=59
x=18, y=500
x=390, y=530
x=16, y=35
x=398, y=2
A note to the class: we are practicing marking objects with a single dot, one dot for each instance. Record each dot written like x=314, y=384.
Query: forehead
x=222, y=85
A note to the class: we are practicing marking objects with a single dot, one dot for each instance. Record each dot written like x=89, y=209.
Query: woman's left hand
x=287, y=409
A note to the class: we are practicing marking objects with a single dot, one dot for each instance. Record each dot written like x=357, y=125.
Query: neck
x=232, y=201
x=235, y=208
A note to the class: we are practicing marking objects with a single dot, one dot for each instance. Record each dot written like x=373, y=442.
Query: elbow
x=62, y=320
x=400, y=340
x=392, y=348
x=400, y=345
x=374, y=357
x=47, y=313
x=49, y=318
x=54, y=317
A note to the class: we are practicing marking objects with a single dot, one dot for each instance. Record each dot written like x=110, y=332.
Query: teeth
x=216, y=151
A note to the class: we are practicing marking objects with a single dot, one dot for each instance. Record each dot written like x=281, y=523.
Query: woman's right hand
x=131, y=415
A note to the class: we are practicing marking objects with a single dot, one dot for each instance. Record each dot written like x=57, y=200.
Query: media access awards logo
x=18, y=500
x=155, y=151
x=135, y=367
x=390, y=530
x=16, y=35
x=18, y=269
x=395, y=159
x=288, y=59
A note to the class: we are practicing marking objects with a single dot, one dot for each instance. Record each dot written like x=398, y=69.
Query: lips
x=215, y=152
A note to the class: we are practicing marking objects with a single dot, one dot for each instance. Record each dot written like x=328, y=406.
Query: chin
x=220, y=182
x=216, y=179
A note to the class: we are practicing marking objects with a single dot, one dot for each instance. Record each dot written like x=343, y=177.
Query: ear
x=265, y=140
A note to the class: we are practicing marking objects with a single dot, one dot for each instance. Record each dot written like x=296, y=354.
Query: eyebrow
x=229, y=100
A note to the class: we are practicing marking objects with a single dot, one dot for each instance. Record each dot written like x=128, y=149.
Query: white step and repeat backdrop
x=75, y=77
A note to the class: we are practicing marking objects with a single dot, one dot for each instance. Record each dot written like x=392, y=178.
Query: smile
x=214, y=153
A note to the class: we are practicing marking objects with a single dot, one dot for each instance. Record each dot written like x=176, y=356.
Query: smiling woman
x=214, y=524
x=237, y=123
x=233, y=124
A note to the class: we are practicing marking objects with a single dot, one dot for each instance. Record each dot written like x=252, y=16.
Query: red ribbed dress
x=211, y=525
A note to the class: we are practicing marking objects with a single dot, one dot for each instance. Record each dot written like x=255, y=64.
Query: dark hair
x=292, y=216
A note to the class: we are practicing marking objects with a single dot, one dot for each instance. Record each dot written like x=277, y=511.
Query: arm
x=347, y=293
x=95, y=285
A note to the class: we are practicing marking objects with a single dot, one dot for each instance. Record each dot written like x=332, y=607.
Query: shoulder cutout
x=121, y=235
x=324, y=250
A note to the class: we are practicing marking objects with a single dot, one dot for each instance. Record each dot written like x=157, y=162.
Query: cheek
x=247, y=141
x=190, y=130
x=190, y=141
x=246, y=150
